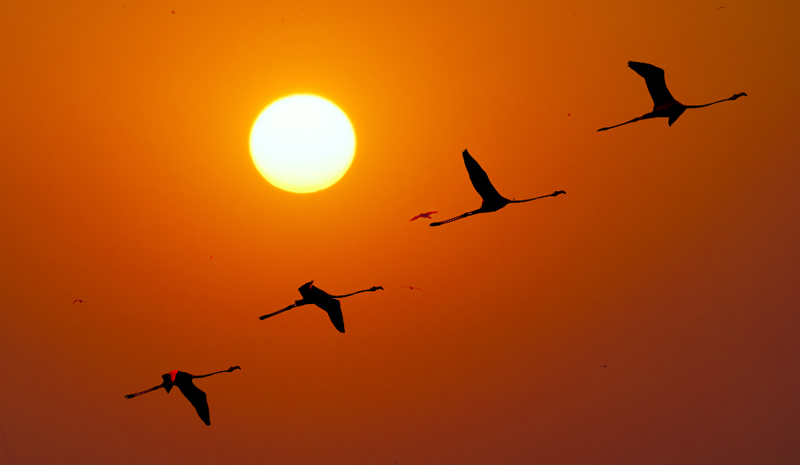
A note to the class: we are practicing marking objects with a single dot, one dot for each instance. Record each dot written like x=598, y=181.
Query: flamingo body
x=491, y=198
x=193, y=394
x=324, y=301
x=316, y=296
x=664, y=104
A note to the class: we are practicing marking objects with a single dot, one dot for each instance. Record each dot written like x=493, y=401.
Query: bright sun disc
x=302, y=143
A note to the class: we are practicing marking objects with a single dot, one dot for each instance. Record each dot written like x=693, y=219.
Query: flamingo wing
x=480, y=180
x=656, y=85
x=198, y=400
x=334, y=310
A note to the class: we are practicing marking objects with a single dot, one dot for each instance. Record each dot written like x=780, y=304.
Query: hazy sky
x=673, y=258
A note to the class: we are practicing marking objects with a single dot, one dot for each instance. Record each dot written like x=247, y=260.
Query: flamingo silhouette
x=492, y=200
x=184, y=382
x=323, y=300
x=423, y=215
x=664, y=104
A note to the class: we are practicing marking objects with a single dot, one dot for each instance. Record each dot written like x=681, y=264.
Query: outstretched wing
x=656, y=85
x=198, y=400
x=480, y=181
x=334, y=310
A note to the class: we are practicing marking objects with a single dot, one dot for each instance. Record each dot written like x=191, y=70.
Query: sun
x=302, y=143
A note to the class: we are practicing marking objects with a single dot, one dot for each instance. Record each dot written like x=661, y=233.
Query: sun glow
x=302, y=143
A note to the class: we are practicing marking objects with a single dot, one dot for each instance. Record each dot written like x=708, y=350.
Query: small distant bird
x=423, y=215
x=720, y=7
x=664, y=105
x=77, y=301
x=603, y=366
x=184, y=382
x=323, y=300
x=412, y=288
x=492, y=200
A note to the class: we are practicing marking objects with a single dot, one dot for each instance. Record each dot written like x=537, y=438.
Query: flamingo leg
x=439, y=223
x=296, y=304
x=646, y=116
x=131, y=396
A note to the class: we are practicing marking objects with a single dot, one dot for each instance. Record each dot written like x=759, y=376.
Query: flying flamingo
x=423, y=215
x=411, y=288
x=184, y=382
x=323, y=300
x=492, y=200
x=664, y=105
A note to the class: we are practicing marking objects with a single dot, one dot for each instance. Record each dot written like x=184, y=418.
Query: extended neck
x=540, y=197
x=372, y=289
x=734, y=97
x=218, y=372
x=210, y=374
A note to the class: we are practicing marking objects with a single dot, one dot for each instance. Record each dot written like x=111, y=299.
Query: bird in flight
x=77, y=301
x=664, y=105
x=411, y=288
x=184, y=382
x=423, y=215
x=323, y=300
x=492, y=200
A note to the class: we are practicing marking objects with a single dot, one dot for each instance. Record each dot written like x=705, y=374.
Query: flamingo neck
x=354, y=293
x=537, y=198
x=712, y=103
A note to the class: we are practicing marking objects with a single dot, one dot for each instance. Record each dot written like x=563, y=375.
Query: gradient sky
x=673, y=258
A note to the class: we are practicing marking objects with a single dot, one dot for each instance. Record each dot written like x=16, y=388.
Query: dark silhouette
x=411, y=288
x=492, y=200
x=184, y=382
x=603, y=366
x=77, y=301
x=423, y=215
x=664, y=105
x=323, y=300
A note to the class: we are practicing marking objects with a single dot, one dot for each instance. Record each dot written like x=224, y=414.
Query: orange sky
x=673, y=258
